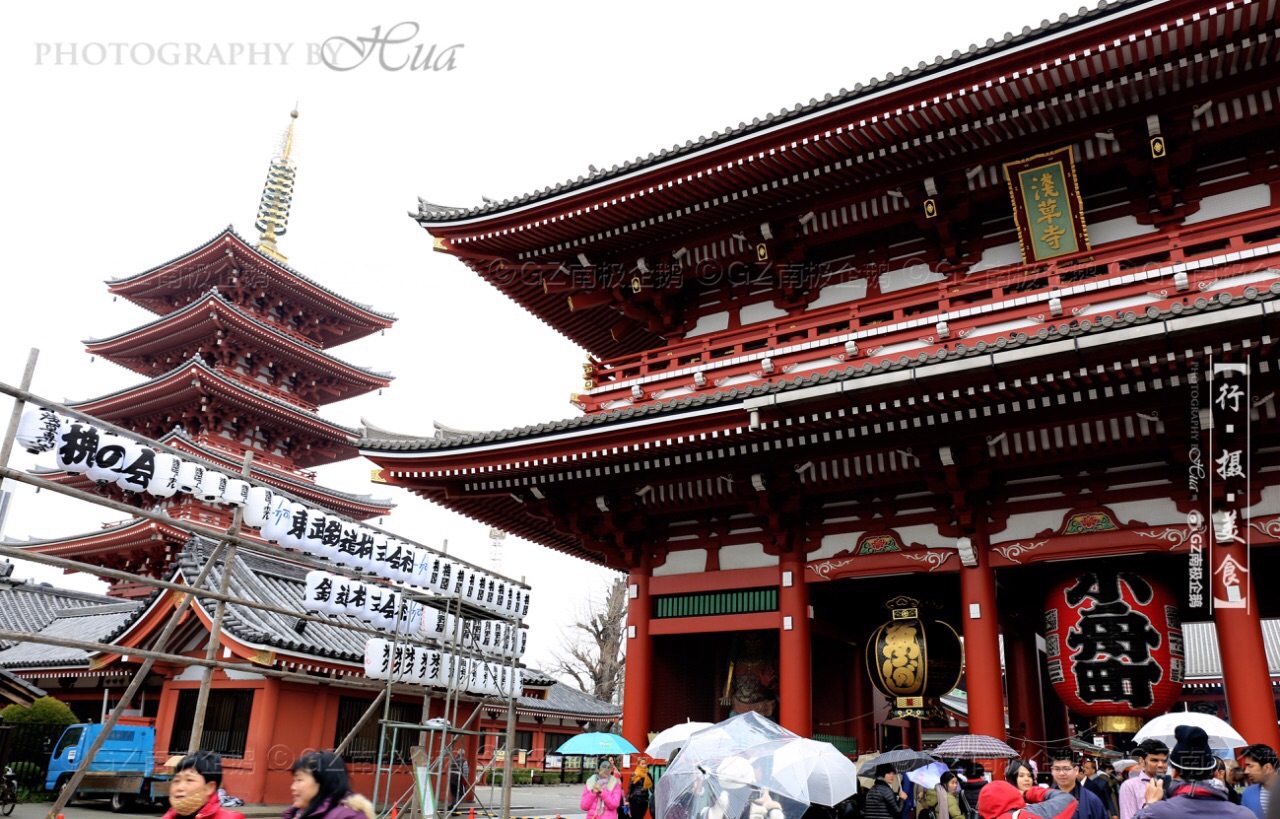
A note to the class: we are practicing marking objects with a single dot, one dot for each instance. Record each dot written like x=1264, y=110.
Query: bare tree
x=591, y=652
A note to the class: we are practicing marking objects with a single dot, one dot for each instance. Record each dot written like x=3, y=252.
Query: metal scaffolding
x=228, y=542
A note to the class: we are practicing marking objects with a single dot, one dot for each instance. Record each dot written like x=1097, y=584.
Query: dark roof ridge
x=230, y=230
x=212, y=295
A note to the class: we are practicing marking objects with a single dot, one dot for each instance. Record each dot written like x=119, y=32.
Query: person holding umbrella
x=1195, y=795
x=602, y=794
x=882, y=801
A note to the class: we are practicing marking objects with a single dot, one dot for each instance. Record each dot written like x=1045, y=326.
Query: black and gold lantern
x=913, y=659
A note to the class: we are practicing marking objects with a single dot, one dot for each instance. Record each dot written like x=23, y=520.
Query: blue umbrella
x=596, y=744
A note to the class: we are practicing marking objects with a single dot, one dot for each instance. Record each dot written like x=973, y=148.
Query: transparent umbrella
x=805, y=770
x=727, y=790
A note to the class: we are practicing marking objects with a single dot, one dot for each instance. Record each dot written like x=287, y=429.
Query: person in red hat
x=1000, y=800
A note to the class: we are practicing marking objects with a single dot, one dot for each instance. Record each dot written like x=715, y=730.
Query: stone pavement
x=529, y=802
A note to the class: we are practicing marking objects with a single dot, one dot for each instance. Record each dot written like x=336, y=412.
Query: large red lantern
x=913, y=660
x=1115, y=650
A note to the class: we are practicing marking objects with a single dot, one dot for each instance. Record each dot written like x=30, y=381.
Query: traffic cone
x=472, y=814
x=395, y=813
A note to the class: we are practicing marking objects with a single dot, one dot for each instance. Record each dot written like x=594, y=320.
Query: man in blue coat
x=1066, y=778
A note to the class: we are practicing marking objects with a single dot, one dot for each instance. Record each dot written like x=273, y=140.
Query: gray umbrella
x=902, y=760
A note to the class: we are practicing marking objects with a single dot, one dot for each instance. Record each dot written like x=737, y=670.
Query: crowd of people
x=1189, y=781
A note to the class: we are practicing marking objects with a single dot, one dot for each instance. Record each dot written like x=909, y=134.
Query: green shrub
x=29, y=774
x=551, y=777
x=46, y=711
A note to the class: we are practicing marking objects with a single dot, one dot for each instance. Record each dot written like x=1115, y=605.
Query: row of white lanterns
x=388, y=660
x=106, y=458
x=387, y=610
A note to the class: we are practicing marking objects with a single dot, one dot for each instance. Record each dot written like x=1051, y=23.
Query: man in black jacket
x=882, y=801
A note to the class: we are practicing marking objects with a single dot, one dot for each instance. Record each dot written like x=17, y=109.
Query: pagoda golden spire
x=277, y=195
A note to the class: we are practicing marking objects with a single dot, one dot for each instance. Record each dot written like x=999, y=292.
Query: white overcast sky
x=109, y=170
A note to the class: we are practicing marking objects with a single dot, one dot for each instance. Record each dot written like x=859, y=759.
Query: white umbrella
x=670, y=740
x=1221, y=735
x=806, y=770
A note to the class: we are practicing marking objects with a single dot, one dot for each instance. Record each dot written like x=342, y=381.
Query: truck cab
x=123, y=769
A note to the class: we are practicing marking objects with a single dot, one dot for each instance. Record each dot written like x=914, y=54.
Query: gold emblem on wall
x=930, y=208
x=1157, y=147
x=762, y=252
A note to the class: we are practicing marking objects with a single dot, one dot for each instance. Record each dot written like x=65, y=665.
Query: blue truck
x=123, y=770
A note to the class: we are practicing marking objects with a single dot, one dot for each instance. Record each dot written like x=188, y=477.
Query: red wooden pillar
x=1246, y=680
x=983, y=684
x=1022, y=670
x=262, y=725
x=861, y=704
x=795, y=661
x=915, y=734
x=166, y=712
x=637, y=705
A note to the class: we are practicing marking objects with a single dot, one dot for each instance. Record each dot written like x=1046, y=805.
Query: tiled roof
x=29, y=606
x=429, y=213
x=275, y=332
x=259, y=578
x=18, y=690
x=1204, y=661
x=1015, y=340
x=199, y=364
x=568, y=701
x=229, y=230
x=101, y=623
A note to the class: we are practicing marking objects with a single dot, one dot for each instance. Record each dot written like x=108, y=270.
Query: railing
x=26, y=749
x=936, y=315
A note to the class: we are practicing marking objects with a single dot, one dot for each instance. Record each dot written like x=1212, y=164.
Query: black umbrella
x=902, y=760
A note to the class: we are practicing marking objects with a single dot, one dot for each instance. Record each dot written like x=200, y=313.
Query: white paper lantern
x=318, y=592
x=164, y=483
x=405, y=564
x=337, y=603
x=38, y=430
x=77, y=443
x=410, y=621
x=279, y=517
x=524, y=637
x=357, y=601
x=257, y=506
x=108, y=456
x=211, y=485
x=344, y=551
x=500, y=599
x=437, y=624
x=421, y=569
x=313, y=537
x=190, y=474
x=384, y=608
x=364, y=558
x=377, y=659
x=236, y=492
x=138, y=469
x=383, y=547
x=296, y=528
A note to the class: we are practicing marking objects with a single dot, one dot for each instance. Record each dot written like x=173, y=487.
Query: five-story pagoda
x=236, y=360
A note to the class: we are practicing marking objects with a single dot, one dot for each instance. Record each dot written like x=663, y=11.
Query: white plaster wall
x=1114, y=230
x=688, y=561
x=1225, y=204
x=760, y=311
x=746, y=556
x=841, y=293
x=713, y=323
x=909, y=276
